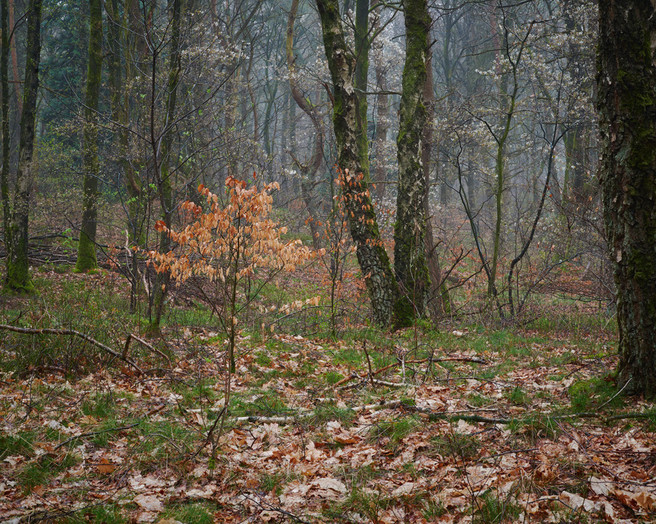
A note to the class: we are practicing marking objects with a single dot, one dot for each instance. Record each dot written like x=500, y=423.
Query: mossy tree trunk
x=18, y=275
x=86, y=253
x=6, y=136
x=410, y=263
x=353, y=162
x=626, y=86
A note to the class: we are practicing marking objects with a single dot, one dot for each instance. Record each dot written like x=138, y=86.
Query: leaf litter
x=297, y=448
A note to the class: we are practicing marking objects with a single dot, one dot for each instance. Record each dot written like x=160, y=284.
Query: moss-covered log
x=410, y=230
x=626, y=84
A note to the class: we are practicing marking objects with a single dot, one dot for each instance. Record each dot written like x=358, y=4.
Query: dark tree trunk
x=18, y=275
x=410, y=263
x=626, y=84
x=6, y=136
x=86, y=253
x=353, y=162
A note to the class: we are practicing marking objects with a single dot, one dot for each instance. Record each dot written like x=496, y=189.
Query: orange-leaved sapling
x=228, y=244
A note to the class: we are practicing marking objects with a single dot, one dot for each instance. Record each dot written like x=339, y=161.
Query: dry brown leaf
x=148, y=502
x=105, y=466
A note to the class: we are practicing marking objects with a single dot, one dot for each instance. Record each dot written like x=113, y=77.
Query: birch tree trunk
x=18, y=274
x=353, y=162
x=626, y=86
x=410, y=263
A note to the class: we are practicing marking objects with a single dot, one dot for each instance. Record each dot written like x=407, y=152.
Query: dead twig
x=398, y=363
x=94, y=433
x=145, y=344
x=73, y=333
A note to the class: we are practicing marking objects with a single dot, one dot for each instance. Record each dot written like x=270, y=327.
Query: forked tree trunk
x=86, y=253
x=18, y=274
x=626, y=103
x=410, y=263
x=353, y=161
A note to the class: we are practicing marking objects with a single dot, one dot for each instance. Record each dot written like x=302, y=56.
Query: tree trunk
x=353, y=162
x=86, y=253
x=308, y=170
x=438, y=296
x=6, y=136
x=18, y=275
x=162, y=166
x=410, y=263
x=627, y=109
x=382, y=119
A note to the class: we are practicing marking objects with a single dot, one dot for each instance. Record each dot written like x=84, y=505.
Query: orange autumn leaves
x=231, y=241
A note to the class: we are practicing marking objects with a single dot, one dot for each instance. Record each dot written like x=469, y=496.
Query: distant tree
x=626, y=85
x=16, y=232
x=86, y=253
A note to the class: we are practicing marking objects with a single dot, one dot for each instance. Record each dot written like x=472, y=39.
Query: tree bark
x=86, y=253
x=6, y=136
x=410, y=263
x=626, y=103
x=353, y=162
x=18, y=274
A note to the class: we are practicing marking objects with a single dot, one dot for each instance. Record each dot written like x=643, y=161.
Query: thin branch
x=73, y=333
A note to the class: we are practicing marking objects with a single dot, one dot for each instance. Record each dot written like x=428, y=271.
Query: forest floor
x=461, y=424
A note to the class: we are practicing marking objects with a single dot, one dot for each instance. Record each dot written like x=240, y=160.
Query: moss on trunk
x=18, y=273
x=626, y=101
x=410, y=263
x=86, y=253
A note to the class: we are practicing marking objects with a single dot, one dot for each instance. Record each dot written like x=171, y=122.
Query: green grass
x=329, y=411
x=457, y=445
x=39, y=471
x=394, y=430
x=103, y=513
x=191, y=513
x=588, y=395
x=490, y=509
x=19, y=444
x=535, y=427
x=101, y=406
x=268, y=403
x=518, y=397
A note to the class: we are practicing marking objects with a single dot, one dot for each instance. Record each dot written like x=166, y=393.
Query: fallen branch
x=288, y=419
x=145, y=344
x=418, y=361
x=73, y=333
x=94, y=433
